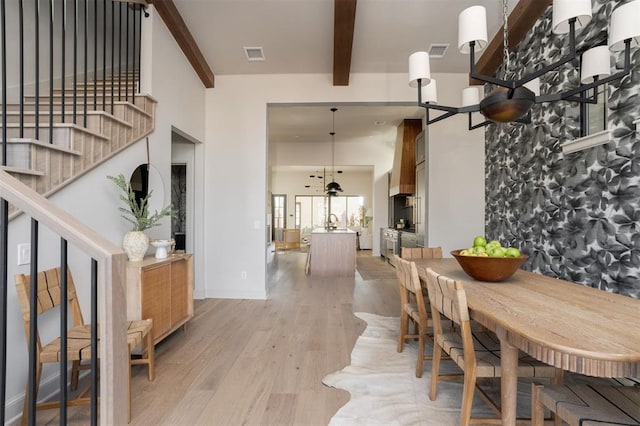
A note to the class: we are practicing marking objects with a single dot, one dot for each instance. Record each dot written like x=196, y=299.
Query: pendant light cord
x=333, y=145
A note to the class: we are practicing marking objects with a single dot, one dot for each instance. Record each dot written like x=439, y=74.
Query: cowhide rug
x=385, y=391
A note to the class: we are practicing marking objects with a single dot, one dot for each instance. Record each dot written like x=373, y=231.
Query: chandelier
x=512, y=99
x=333, y=187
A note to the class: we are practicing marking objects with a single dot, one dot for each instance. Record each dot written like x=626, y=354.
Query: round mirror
x=146, y=179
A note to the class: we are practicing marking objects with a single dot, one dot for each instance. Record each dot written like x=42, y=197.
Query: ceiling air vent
x=254, y=53
x=438, y=50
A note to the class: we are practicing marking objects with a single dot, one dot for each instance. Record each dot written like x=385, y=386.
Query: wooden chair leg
x=404, y=330
x=25, y=406
x=467, y=397
x=151, y=356
x=75, y=374
x=435, y=370
x=129, y=389
x=537, y=409
x=420, y=361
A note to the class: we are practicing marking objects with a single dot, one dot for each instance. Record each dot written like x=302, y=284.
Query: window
x=593, y=117
x=593, y=124
x=278, y=213
x=313, y=211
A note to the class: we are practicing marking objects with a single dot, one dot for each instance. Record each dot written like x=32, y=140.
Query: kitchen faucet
x=332, y=224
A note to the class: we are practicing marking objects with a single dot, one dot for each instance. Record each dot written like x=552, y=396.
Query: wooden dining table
x=564, y=324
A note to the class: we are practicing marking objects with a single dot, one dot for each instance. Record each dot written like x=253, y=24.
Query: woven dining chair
x=586, y=405
x=49, y=296
x=476, y=352
x=413, y=308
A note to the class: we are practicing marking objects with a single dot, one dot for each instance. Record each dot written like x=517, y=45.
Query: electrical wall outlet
x=24, y=254
x=243, y=275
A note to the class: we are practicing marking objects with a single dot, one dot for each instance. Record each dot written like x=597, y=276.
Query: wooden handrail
x=111, y=295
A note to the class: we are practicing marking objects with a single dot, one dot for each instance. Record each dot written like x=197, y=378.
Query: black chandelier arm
x=452, y=110
x=477, y=126
x=510, y=84
x=440, y=117
x=570, y=95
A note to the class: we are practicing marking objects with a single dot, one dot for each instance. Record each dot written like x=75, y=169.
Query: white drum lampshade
x=472, y=26
x=563, y=10
x=624, y=24
x=470, y=96
x=595, y=63
x=430, y=92
x=419, y=68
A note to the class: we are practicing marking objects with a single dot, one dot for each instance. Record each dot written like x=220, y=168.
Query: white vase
x=135, y=244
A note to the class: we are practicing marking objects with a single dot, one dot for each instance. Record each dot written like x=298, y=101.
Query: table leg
x=509, y=382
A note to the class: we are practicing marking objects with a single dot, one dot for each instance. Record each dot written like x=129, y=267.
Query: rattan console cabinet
x=161, y=289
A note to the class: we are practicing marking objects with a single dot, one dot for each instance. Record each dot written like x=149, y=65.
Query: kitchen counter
x=332, y=231
x=333, y=252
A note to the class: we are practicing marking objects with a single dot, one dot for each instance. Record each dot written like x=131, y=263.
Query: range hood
x=403, y=174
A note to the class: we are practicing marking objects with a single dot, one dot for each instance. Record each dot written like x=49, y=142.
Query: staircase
x=46, y=156
x=69, y=102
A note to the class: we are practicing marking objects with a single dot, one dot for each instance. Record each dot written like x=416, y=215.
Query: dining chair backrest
x=413, y=309
x=447, y=296
x=48, y=295
x=408, y=277
x=421, y=252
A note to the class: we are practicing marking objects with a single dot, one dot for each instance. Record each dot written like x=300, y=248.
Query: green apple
x=479, y=241
x=479, y=250
x=498, y=252
x=512, y=252
x=494, y=243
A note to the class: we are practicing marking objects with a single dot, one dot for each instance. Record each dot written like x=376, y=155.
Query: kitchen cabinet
x=420, y=147
x=420, y=209
x=408, y=239
x=161, y=289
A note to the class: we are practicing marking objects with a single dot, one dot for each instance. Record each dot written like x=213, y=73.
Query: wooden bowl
x=492, y=269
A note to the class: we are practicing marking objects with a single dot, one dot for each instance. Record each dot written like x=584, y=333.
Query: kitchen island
x=333, y=252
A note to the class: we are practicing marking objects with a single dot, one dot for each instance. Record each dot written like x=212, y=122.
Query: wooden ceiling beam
x=343, y=27
x=523, y=17
x=178, y=28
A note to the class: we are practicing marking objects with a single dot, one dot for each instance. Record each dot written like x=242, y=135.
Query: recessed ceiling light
x=254, y=53
x=380, y=122
x=438, y=50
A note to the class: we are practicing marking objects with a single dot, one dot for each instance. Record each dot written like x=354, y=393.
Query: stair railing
x=107, y=301
x=114, y=28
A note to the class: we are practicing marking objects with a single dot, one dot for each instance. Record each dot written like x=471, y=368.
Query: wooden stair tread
x=42, y=126
x=10, y=169
x=42, y=144
x=45, y=114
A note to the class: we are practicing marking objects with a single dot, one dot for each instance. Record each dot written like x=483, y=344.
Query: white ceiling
x=297, y=37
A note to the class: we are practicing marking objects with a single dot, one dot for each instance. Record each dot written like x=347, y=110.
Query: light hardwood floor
x=260, y=362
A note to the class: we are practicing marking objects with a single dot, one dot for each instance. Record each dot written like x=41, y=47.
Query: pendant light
x=333, y=187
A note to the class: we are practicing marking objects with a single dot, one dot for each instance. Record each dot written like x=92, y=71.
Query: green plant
x=137, y=213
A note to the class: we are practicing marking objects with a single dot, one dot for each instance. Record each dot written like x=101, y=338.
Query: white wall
x=456, y=174
x=170, y=79
x=236, y=158
x=94, y=200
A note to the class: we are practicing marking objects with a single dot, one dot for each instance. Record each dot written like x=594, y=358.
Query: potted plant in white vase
x=136, y=242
